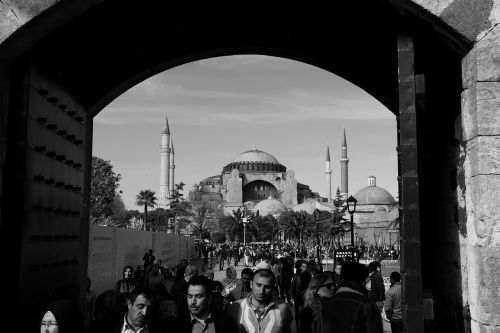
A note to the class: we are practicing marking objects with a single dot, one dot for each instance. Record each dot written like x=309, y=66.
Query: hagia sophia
x=257, y=181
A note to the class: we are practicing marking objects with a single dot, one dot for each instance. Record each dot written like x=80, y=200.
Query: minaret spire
x=344, y=161
x=163, y=200
x=166, y=127
x=328, y=173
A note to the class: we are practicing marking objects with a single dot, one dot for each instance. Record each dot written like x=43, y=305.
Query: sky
x=219, y=107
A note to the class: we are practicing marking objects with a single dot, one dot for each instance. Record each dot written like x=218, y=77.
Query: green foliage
x=205, y=212
x=147, y=199
x=103, y=190
x=158, y=220
x=179, y=208
x=262, y=228
x=218, y=237
x=122, y=220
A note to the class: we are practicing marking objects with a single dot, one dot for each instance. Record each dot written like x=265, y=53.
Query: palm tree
x=147, y=199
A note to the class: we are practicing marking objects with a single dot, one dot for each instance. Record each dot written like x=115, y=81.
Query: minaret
x=343, y=168
x=328, y=172
x=163, y=200
x=172, y=167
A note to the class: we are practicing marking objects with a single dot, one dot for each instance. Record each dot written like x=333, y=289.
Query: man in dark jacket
x=377, y=290
x=350, y=309
x=137, y=318
x=199, y=299
x=180, y=289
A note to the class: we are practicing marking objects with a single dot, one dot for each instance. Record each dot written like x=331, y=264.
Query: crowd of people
x=228, y=254
x=274, y=292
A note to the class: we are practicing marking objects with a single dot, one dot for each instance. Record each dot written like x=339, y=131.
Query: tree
x=104, y=184
x=338, y=215
x=205, y=214
x=158, y=220
x=226, y=226
x=147, y=199
x=122, y=220
x=179, y=207
x=298, y=223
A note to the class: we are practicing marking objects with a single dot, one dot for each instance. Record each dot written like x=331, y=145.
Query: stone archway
x=69, y=60
x=259, y=190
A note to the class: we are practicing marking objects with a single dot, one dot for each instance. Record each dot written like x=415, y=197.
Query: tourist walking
x=392, y=304
x=350, y=310
x=320, y=289
x=260, y=312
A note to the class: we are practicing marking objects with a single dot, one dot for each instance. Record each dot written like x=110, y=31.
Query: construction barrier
x=112, y=248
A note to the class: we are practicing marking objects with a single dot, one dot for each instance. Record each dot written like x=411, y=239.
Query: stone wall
x=480, y=186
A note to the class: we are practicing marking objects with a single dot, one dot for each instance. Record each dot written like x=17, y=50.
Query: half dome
x=256, y=155
x=270, y=206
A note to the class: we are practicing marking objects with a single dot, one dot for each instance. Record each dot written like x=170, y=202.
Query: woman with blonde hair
x=320, y=289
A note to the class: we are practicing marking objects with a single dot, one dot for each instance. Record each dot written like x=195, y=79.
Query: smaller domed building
x=270, y=206
x=376, y=219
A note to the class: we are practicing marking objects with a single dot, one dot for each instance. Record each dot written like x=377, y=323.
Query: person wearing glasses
x=320, y=289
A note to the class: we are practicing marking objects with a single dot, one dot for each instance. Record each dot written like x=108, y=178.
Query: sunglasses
x=328, y=285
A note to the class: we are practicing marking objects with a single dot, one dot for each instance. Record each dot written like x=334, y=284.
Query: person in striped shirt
x=261, y=311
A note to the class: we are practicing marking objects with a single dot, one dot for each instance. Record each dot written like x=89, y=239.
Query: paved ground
x=387, y=268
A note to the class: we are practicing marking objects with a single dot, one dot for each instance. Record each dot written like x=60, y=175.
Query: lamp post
x=275, y=223
x=245, y=221
x=318, y=247
x=351, y=208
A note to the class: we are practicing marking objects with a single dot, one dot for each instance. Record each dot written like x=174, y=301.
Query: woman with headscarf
x=229, y=283
x=320, y=289
x=60, y=317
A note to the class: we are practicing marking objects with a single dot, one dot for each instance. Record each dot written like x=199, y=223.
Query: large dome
x=270, y=206
x=256, y=155
x=374, y=195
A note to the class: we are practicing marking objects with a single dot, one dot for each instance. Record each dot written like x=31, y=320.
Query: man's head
x=140, y=307
x=246, y=277
x=395, y=277
x=128, y=272
x=155, y=268
x=230, y=273
x=353, y=271
x=304, y=266
x=337, y=269
x=150, y=251
x=184, y=262
x=372, y=266
x=199, y=296
x=262, y=285
x=190, y=271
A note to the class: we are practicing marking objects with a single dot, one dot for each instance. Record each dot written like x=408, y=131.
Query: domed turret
x=270, y=206
x=374, y=195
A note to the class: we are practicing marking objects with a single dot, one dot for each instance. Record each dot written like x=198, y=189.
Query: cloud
x=222, y=108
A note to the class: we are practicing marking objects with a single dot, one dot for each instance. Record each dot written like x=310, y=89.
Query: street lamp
x=318, y=247
x=245, y=221
x=351, y=208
